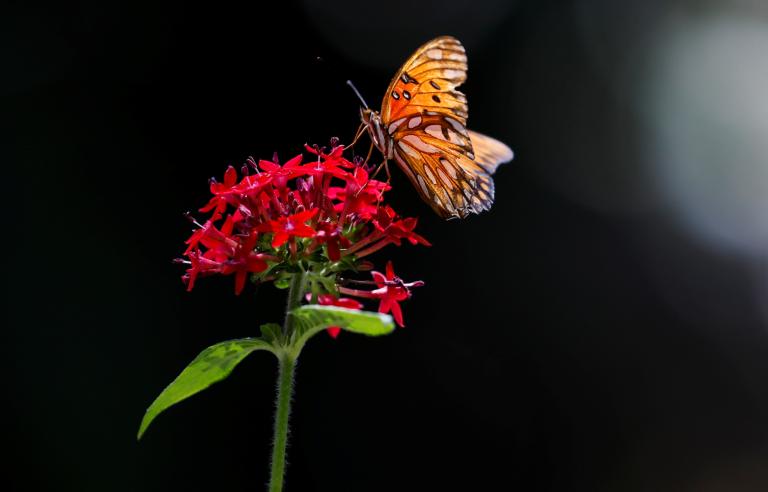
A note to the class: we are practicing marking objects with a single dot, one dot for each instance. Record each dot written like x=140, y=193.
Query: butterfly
x=423, y=127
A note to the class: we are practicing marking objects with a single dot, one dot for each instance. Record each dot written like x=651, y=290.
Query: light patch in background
x=707, y=106
x=694, y=74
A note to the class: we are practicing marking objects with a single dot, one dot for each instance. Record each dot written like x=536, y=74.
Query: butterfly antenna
x=349, y=83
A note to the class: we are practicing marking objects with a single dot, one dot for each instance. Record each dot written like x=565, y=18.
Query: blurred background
x=603, y=328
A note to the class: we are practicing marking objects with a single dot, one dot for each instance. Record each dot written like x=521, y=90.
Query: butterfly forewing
x=428, y=81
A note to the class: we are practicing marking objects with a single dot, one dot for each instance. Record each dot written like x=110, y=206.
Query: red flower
x=329, y=199
x=226, y=257
x=329, y=233
x=290, y=226
x=219, y=201
x=281, y=174
x=331, y=300
x=328, y=164
x=396, y=230
x=361, y=196
x=391, y=290
x=212, y=238
x=250, y=185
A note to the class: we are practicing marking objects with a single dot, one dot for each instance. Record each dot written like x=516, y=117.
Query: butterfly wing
x=426, y=117
x=489, y=152
x=450, y=182
x=428, y=80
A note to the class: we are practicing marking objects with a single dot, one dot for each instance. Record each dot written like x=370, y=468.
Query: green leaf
x=312, y=319
x=271, y=332
x=210, y=366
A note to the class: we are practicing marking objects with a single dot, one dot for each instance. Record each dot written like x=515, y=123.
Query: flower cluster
x=318, y=218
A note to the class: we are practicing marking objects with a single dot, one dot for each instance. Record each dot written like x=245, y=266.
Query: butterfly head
x=372, y=121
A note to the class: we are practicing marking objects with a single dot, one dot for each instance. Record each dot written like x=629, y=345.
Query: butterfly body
x=422, y=127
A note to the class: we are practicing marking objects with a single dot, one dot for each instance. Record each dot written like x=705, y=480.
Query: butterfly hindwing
x=449, y=197
x=435, y=155
x=489, y=152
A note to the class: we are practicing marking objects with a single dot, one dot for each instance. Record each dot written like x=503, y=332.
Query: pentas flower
x=332, y=235
x=390, y=291
x=281, y=174
x=239, y=259
x=284, y=228
x=320, y=217
x=395, y=229
x=361, y=196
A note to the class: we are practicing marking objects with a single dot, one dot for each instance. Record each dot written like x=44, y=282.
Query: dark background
x=583, y=335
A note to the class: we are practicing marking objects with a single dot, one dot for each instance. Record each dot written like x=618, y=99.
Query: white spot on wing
x=458, y=126
x=419, y=144
x=436, y=131
x=449, y=167
x=414, y=122
x=444, y=178
x=407, y=148
x=435, y=54
x=423, y=185
x=429, y=174
x=393, y=126
x=452, y=74
x=454, y=137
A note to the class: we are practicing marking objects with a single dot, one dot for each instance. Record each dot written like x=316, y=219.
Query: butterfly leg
x=385, y=165
x=370, y=151
x=360, y=131
x=386, y=168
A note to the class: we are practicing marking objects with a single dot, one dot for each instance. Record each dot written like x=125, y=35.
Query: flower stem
x=285, y=388
x=283, y=412
x=295, y=292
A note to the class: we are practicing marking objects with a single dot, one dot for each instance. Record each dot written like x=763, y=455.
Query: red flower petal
x=240, y=277
x=390, y=271
x=397, y=313
x=379, y=278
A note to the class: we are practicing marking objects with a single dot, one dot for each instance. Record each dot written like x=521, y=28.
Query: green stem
x=284, y=393
x=285, y=387
x=295, y=294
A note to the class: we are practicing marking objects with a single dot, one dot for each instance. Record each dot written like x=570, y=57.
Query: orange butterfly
x=422, y=125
